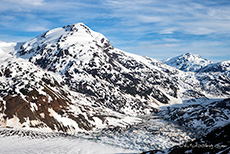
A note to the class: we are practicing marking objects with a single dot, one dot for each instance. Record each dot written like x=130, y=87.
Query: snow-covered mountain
x=71, y=80
x=195, y=63
x=187, y=62
x=89, y=64
x=211, y=76
x=82, y=67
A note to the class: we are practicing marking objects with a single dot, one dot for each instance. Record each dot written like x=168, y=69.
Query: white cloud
x=149, y=19
x=199, y=30
x=27, y=2
x=220, y=13
x=36, y=29
x=168, y=31
x=164, y=45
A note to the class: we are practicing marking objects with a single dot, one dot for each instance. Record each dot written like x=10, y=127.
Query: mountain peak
x=188, y=54
x=73, y=36
x=76, y=26
x=188, y=62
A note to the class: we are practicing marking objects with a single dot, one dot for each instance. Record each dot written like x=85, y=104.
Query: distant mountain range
x=71, y=79
x=188, y=62
x=195, y=63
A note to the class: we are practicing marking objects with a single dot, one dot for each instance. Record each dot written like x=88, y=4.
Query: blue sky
x=153, y=28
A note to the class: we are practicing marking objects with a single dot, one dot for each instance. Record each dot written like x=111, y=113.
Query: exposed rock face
x=32, y=98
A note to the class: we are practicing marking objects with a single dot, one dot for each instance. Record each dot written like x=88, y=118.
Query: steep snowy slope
x=32, y=98
x=187, y=62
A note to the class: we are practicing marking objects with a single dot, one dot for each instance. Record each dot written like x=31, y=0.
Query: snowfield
x=56, y=145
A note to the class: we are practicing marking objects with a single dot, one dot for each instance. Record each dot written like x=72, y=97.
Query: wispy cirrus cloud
x=183, y=16
x=168, y=30
x=20, y=5
x=27, y=2
x=36, y=29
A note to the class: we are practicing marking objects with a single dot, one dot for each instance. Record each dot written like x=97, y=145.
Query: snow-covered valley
x=53, y=144
x=152, y=133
